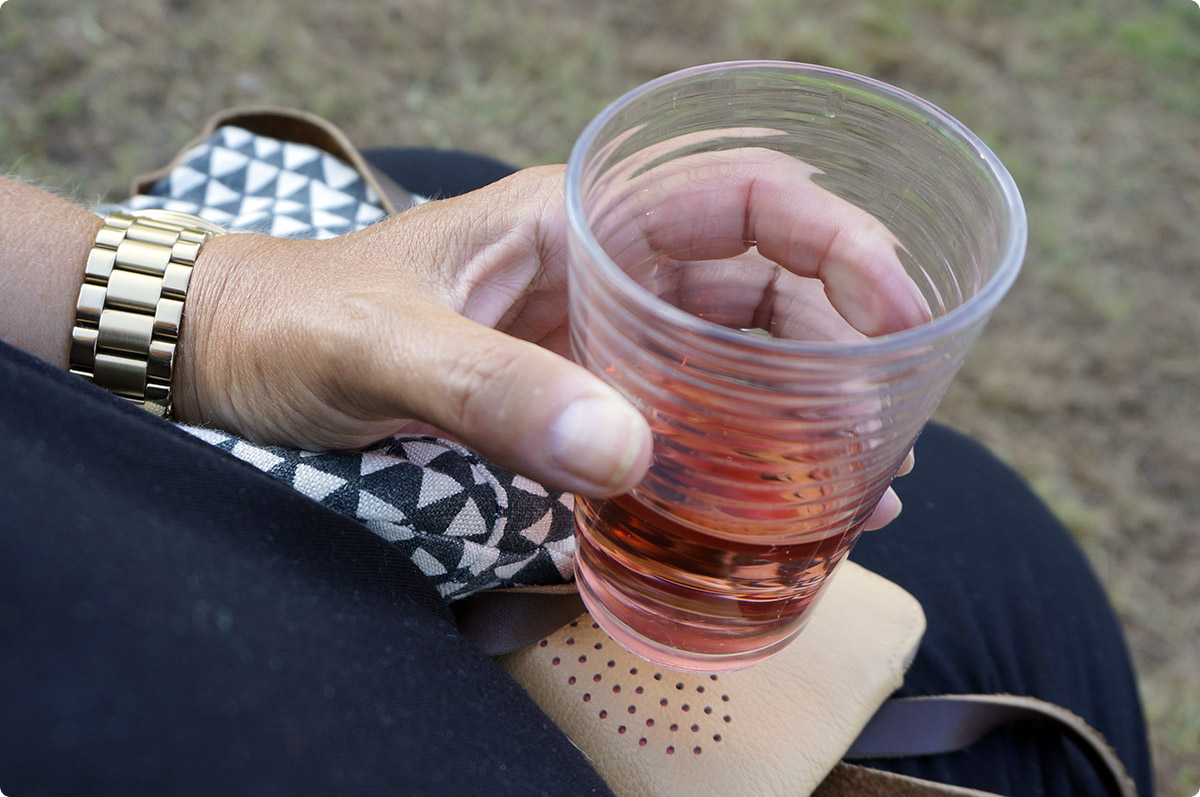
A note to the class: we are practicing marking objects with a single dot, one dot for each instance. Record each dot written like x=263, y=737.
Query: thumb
x=523, y=407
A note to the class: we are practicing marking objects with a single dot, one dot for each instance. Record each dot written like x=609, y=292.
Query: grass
x=1087, y=381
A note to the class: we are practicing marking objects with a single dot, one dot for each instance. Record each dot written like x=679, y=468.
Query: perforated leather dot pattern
x=666, y=711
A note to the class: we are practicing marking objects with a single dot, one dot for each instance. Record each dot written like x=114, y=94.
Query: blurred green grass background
x=1087, y=381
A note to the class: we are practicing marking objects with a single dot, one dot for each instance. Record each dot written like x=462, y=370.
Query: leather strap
x=504, y=620
x=945, y=723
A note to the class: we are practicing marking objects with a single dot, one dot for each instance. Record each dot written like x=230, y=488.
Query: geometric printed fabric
x=467, y=524
x=251, y=183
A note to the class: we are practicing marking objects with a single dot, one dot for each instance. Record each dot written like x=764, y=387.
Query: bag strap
x=503, y=620
x=913, y=726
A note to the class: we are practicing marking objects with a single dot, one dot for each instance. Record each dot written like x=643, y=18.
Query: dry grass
x=1088, y=380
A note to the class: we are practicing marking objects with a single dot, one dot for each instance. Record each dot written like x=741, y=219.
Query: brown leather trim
x=944, y=723
x=504, y=620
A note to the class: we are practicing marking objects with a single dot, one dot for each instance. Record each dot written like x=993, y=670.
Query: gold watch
x=131, y=304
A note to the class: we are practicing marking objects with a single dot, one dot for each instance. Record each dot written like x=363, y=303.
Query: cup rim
x=974, y=309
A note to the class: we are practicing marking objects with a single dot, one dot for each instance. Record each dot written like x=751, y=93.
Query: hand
x=453, y=315
x=338, y=343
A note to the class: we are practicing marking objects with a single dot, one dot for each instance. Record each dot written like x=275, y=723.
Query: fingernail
x=602, y=441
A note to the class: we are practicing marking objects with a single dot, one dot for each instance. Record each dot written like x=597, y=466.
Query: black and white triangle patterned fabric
x=251, y=183
x=466, y=523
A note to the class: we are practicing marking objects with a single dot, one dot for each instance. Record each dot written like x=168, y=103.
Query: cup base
x=666, y=656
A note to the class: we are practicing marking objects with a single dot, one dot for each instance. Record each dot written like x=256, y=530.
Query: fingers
x=810, y=232
x=756, y=293
x=516, y=403
x=887, y=510
x=889, y=507
x=715, y=205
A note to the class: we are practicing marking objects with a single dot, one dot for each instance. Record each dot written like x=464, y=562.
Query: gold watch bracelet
x=130, y=307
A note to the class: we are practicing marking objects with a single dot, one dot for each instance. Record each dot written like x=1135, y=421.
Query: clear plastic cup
x=778, y=425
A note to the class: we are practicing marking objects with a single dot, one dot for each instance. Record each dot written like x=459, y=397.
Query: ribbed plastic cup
x=776, y=430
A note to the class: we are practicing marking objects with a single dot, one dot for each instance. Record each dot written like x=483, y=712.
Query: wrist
x=44, y=243
x=233, y=314
x=200, y=338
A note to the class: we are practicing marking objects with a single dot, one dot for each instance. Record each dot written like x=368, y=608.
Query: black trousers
x=173, y=621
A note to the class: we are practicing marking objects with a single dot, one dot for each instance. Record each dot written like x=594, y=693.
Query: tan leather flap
x=775, y=728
